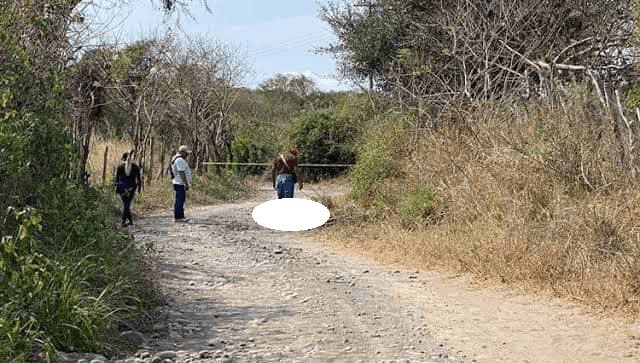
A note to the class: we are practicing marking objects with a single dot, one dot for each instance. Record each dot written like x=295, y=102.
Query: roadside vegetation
x=538, y=204
x=515, y=170
x=69, y=280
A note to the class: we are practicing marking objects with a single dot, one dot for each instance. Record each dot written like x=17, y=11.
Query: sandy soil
x=240, y=293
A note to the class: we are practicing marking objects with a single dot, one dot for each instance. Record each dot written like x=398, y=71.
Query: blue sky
x=277, y=36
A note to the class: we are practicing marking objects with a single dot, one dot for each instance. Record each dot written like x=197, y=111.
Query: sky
x=276, y=36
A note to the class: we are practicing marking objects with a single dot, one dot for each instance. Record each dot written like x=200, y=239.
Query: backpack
x=173, y=160
x=292, y=172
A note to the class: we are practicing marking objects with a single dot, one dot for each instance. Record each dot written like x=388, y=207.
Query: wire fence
x=269, y=164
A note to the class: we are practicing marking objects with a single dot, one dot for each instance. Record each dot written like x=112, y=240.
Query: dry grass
x=96, y=158
x=537, y=199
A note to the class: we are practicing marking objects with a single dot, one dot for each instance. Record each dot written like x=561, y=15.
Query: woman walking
x=127, y=181
x=285, y=173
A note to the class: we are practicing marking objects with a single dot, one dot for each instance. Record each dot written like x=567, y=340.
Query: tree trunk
x=162, y=159
x=151, y=160
x=104, y=166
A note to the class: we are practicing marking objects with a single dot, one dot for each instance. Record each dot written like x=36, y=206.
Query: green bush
x=418, y=205
x=355, y=109
x=67, y=278
x=324, y=139
x=378, y=160
x=250, y=148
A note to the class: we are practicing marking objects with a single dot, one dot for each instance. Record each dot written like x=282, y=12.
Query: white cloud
x=325, y=83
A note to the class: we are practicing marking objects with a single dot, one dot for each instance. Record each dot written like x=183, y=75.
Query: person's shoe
x=182, y=220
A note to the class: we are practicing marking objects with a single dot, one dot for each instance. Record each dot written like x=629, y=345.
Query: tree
x=300, y=85
x=206, y=79
x=429, y=52
x=87, y=100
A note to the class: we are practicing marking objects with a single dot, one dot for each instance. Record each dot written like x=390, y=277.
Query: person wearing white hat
x=181, y=178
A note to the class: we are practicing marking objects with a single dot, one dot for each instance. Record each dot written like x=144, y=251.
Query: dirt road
x=240, y=293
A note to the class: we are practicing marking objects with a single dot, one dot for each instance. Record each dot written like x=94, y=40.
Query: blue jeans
x=181, y=197
x=284, y=186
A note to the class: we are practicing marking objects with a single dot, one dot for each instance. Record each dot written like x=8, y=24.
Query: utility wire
x=292, y=45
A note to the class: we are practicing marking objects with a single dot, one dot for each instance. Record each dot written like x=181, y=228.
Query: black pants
x=127, y=198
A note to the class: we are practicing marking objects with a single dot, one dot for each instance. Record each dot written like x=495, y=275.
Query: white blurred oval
x=290, y=214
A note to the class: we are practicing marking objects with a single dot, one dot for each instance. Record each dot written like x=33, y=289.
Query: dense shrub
x=67, y=277
x=324, y=139
x=379, y=159
x=247, y=148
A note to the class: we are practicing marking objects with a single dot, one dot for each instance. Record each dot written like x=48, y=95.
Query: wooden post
x=151, y=161
x=104, y=166
x=162, y=159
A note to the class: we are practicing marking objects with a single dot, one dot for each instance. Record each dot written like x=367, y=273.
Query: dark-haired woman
x=127, y=181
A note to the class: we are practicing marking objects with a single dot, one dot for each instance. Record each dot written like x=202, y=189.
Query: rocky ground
x=237, y=292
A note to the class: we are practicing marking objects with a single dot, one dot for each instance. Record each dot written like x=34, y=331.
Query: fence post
x=104, y=166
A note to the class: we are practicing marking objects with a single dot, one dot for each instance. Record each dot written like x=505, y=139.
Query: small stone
x=205, y=354
x=83, y=361
x=62, y=357
x=192, y=283
x=227, y=360
x=162, y=356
